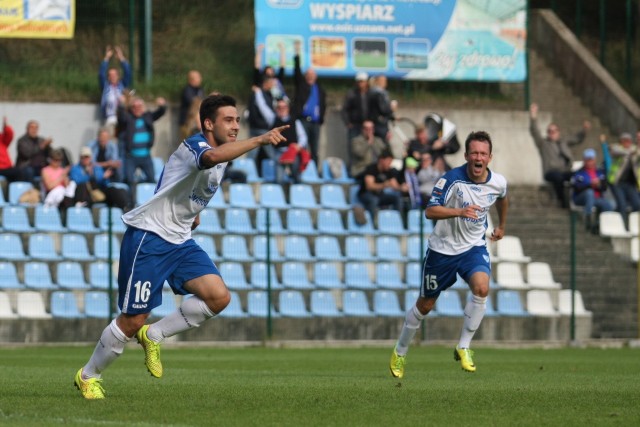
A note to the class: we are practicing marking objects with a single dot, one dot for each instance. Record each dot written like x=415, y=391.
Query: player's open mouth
x=477, y=167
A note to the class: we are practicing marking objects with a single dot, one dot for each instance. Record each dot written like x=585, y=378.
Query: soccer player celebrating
x=460, y=203
x=157, y=245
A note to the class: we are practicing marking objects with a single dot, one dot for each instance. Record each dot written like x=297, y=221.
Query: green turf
x=318, y=387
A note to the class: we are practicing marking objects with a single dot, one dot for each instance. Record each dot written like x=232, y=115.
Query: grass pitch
x=325, y=387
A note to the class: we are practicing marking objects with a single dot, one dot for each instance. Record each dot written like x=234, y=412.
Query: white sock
x=411, y=324
x=191, y=313
x=109, y=347
x=473, y=314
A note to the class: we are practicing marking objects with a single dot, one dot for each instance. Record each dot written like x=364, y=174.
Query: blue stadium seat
x=99, y=275
x=16, y=189
x=64, y=305
x=410, y=298
x=11, y=248
x=297, y=248
x=241, y=196
x=275, y=222
x=260, y=249
x=209, y=222
x=257, y=305
x=509, y=303
x=388, y=276
x=354, y=303
x=9, y=276
x=234, y=309
x=302, y=196
x=158, y=167
x=80, y=220
x=388, y=249
x=330, y=222
x=70, y=275
x=96, y=304
x=3, y=200
x=413, y=274
x=310, y=174
x=144, y=191
x=414, y=217
x=343, y=177
x=248, y=166
x=332, y=197
x=386, y=304
x=268, y=169
x=356, y=275
x=291, y=304
x=218, y=200
x=38, y=276
x=325, y=275
x=207, y=244
x=327, y=248
x=390, y=222
x=75, y=247
x=47, y=219
x=448, y=304
x=294, y=276
x=354, y=228
x=233, y=275
x=15, y=219
x=117, y=226
x=101, y=246
x=234, y=248
x=259, y=276
x=323, y=304
x=167, y=306
x=357, y=248
x=299, y=222
x=272, y=196
x=414, y=251
x=238, y=221
x=42, y=247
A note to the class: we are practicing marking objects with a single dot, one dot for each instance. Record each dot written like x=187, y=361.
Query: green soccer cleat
x=465, y=356
x=151, y=352
x=91, y=388
x=397, y=364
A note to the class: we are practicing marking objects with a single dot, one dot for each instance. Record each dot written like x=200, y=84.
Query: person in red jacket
x=7, y=169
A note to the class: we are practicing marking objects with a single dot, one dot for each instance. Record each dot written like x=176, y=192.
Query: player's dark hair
x=211, y=104
x=479, y=135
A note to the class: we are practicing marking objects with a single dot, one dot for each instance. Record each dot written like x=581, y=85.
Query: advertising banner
x=476, y=40
x=37, y=19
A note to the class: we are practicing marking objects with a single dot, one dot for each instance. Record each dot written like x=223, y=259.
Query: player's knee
x=219, y=301
x=130, y=324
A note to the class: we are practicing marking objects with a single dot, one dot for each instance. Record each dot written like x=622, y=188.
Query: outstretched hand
x=274, y=136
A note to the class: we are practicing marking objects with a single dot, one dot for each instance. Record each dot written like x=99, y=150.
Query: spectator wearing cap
x=555, y=152
x=622, y=175
x=588, y=185
x=381, y=107
x=355, y=108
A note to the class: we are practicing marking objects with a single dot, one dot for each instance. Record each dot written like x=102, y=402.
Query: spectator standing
x=365, y=149
x=589, y=184
x=355, y=108
x=259, y=117
x=104, y=153
x=381, y=107
x=33, y=152
x=56, y=183
x=309, y=102
x=381, y=185
x=622, y=174
x=138, y=137
x=555, y=151
x=7, y=169
x=112, y=86
x=190, y=92
x=277, y=90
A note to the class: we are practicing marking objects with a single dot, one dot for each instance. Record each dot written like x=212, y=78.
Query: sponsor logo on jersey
x=202, y=144
x=441, y=182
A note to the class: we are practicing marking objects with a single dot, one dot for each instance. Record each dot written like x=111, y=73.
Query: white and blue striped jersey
x=455, y=189
x=184, y=189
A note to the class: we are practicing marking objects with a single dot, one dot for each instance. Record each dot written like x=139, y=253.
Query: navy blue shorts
x=147, y=261
x=439, y=270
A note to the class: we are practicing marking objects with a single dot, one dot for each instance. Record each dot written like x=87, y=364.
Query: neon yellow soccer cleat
x=151, y=352
x=397, y=364
x=465, y=356
x=90, y=388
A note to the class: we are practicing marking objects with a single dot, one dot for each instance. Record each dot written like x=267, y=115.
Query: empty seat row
x=511, y=275
x=68, y=275
x=309, y=176
x=73, y=246
x=79, y=219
